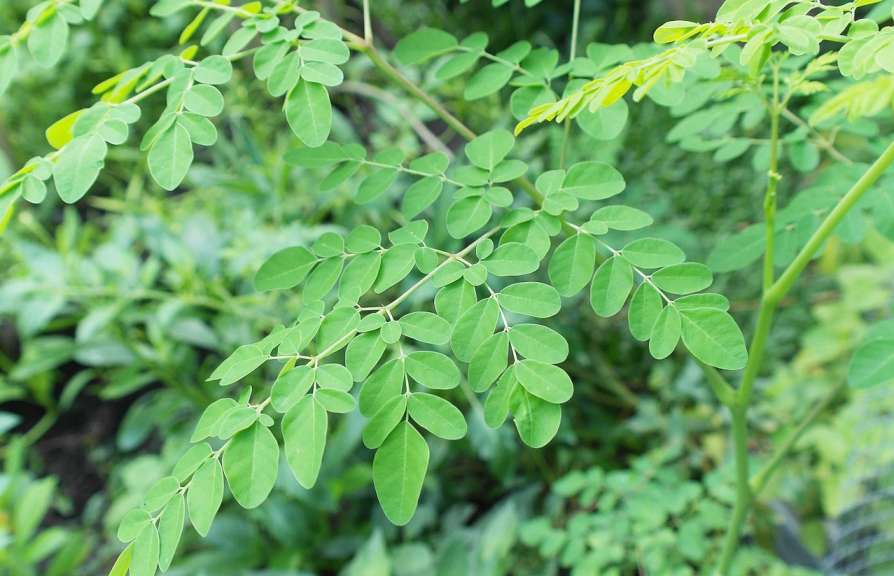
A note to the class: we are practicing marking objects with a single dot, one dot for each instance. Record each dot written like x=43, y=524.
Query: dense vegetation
x=446, y=288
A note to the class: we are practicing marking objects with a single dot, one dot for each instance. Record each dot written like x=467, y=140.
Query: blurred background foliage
x=114, y=311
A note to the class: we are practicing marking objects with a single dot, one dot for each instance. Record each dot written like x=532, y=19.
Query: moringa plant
x=394, y=320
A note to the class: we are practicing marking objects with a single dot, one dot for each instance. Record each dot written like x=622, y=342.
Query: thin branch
x=821, y=140
x=759, y=481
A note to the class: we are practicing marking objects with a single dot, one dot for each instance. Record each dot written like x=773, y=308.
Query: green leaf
x=291, y=387
x=78, y=166
x=363, y=354
x=399, y=469
x=236, y=420
x=170, y=528
x=572, y=264
x=645, y=306
x=397, y=263
x=665, y=333
x=432, y=370
x=160, y=493
x=323, y=278
x=384, y=421
x=487, y=80
x=545, y=381
x=426, y=327
x=536, y=420
x=512, y=259
x=336, y=326
x=423, y=44
x=652, y=253
x=604, y=123
x=593, y=181
x=170, y=157
x=413, y=233
x=375, y=184
x=381, y=386
x=334, y=376
x=214, y=69
x=201, y=130
x=239, y=364
x=611, y=286
x=122, y=563
x=713, y=337
x=363, y=238
x=190, y=461
x=421, y=195
x=490, y=148
x=89, y=8
x=31, y=507
x=489, y=361
x=329, y=244
x=531, y=299
x=474, y=327
x=204, y=100
x=211, y=418
x=335, y=401
x=204, y=496
x=496, y=407
x=129, y=528
x=309, y=112
x=304, y=430
x=359, y=276
x=453, y=300
x=706, y=300
x=48, y=39
x=437, y=415
x=323, y=73
x=738, y=251
x=145, y=552
x=673, y=31
x=467, y=216
x=621, y=217
x=683, y=278
x=873, y=361
x=251, y=463
x=285, y=269
x=538, y=342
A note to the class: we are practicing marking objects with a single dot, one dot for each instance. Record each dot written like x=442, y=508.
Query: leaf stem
x=771, y=298
x=572, y=52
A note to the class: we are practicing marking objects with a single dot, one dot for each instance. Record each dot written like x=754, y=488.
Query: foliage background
x=114, y=311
